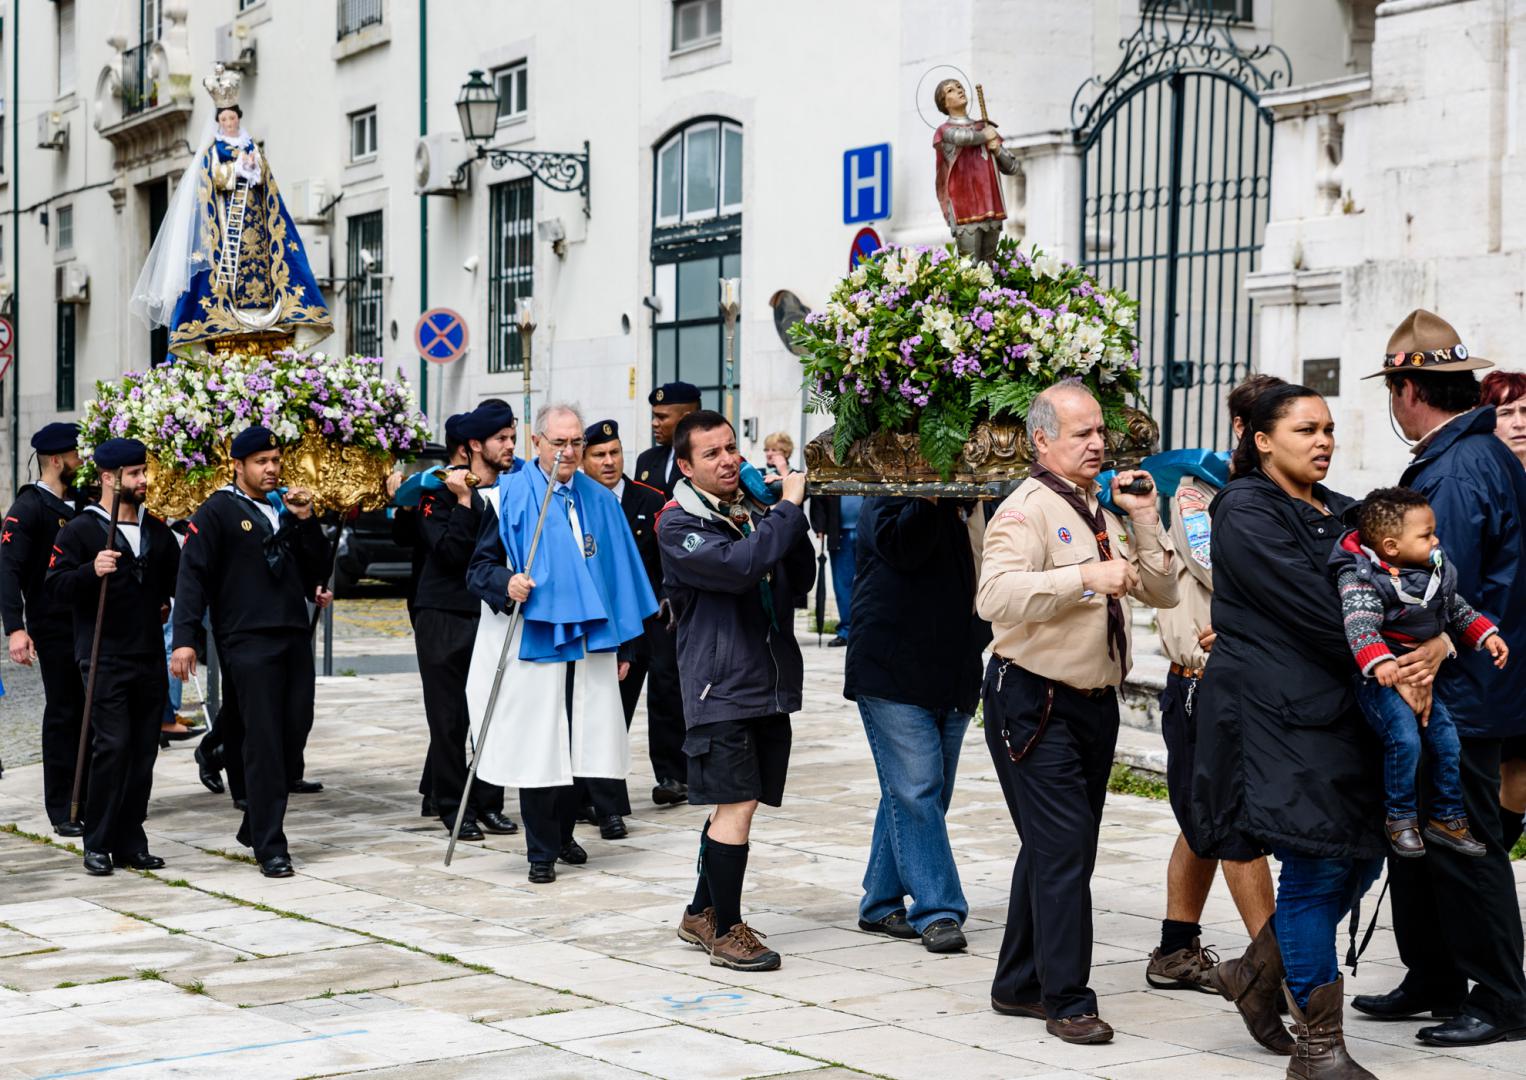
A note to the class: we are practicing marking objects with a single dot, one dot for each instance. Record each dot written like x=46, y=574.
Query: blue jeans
x=172, y=706
x=1313, y=896
x=916, y=754
x=844, y=566
x=1394, y=721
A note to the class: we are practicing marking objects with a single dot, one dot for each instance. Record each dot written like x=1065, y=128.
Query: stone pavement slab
x=376, y=960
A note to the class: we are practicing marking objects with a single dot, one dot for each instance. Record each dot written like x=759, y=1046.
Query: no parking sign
x=440, y=335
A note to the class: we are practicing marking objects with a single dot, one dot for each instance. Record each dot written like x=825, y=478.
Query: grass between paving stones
x=149, y=974
x=1126, y=781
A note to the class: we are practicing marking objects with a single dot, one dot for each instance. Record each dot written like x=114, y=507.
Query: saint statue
x=969, y=192
x=228, y=262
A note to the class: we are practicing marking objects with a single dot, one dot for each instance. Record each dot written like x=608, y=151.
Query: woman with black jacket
x=1284, y=762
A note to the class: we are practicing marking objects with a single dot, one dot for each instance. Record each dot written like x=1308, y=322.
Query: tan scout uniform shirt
x=1031, y=593
x=1179, y=625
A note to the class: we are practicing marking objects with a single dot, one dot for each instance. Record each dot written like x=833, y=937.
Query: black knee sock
x=1177, y=935
x=702, y=890
x=1512, y=824
x=725, y=867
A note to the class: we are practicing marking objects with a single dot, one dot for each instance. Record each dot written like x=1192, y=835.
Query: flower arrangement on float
x=926, y=342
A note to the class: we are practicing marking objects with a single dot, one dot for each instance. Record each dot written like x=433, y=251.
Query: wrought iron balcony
x=140, y=90
x=356, y=15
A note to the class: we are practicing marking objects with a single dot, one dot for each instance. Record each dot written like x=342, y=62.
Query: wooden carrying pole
x=95, y=656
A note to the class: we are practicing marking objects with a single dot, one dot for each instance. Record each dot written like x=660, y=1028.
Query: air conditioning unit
x=71, y=284
x=435, y=161
x=52, y=131
x=305, y=199
x=235, y=47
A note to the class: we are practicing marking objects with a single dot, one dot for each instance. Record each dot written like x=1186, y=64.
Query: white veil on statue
x=178, y=251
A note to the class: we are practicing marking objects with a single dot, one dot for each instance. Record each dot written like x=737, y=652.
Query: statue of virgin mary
x=228, y=262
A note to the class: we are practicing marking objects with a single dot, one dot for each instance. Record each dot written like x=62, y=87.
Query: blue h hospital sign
x=866, y=184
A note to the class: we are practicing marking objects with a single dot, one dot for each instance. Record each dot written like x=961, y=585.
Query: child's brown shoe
x=1454, y=834
x=740, y=949
x=1404, y=837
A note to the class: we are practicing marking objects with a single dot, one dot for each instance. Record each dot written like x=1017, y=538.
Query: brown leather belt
x=1187, y=672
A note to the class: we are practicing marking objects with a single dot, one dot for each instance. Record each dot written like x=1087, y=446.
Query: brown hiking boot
x=1454, y=834
x=740, y=949
x=1320, y=1053
x=1254, y=983
x=1085, y=1029
x=1404, y=837
x=1185, y=969
x=698, y=929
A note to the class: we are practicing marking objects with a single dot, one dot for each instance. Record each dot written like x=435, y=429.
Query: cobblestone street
x=378, y=960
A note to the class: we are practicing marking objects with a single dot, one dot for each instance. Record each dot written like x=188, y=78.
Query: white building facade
x=716, y=134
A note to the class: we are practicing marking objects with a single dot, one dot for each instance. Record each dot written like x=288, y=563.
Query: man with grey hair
x=1056, y=574
x=558, y=714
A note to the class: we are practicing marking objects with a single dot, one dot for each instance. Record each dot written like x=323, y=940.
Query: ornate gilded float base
x=255, y=345
x=341, y=477
x=994, y=460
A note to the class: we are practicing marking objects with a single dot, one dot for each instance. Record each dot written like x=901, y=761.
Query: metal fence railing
x=355, y=15
x=140, y=90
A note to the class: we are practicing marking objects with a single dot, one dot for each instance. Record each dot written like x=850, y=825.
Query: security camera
x=470, y=265
x=653, y=303
x=367, y=260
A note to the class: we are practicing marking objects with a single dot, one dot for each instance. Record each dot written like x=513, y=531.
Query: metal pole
x=95, y=656
x=731, y=333
x=423, y=199
x=328, y=636
x=15, y=179
x=526, y=334
x=503, y=663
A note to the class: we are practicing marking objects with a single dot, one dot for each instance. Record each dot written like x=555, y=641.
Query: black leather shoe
x=542, y=873
x=492, y=821
x=587, y=815
x=209, y=774
x=427, y=808
x=469, y=830
x=613, y=828
x=670, y=793
x=892, y=925
x=1465, y=1030
x=97, y=863
x=838, y=643
x=142, y=861
x=573, y=853
x=305, y=787
x=277, y=866
x=69, y=828
x=944, y=936
x=1400, y=1004
x=241, y=804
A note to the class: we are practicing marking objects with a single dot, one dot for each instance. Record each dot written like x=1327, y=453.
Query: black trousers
x=443, y=641
x=1456, y=917
x=1055, y=795
x=130, y=695
x=664, y=705
x=63, y=704
x=272, y=674
x=223, y=744
x=550, y=813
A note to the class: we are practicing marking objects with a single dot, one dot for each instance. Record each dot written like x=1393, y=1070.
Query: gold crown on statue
x=223, y=86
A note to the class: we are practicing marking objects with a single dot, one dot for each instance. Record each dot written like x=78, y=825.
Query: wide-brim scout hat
x=1425, y=341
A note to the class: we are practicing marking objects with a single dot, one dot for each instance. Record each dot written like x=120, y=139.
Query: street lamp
x=524, y=318
x=731, y=302
x=477, y=109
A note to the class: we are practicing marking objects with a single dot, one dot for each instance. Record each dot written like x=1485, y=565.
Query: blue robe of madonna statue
x=249, y=273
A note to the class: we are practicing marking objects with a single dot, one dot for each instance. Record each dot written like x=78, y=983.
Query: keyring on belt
x=1006, y=736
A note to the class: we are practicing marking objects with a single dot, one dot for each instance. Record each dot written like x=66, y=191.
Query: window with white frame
x=245, y=5
x=64, y=11
x=699, y=173
x=695, y=23
x=513, y=86
x=63, y=234
x=363, y=135
x=151, y=12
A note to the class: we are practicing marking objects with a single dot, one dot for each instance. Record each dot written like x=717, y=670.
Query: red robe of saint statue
x=969, y=191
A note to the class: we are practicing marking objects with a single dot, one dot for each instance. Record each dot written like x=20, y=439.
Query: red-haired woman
x=1506, y=391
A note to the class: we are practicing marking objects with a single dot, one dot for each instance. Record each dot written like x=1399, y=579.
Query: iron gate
x=1175, y=176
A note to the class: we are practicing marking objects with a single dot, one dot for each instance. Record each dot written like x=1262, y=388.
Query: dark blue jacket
x=735, y=660
x=1478, y=491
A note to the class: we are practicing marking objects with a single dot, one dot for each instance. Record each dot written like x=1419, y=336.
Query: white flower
x=1047, y=266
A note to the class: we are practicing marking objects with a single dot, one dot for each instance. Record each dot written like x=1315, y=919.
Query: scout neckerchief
x=741, y=519
x=1117, y=630
x=273, y=542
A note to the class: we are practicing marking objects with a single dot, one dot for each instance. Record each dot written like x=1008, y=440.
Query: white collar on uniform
x=619, y=489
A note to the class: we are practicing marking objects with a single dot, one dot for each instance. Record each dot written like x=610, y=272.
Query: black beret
x=674, y=393
x=453, y=428
x=119, y=454
x=252, y=440
x=57, y=438
x=602, y=432
x=487, y=420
